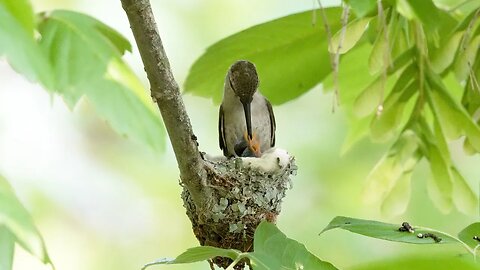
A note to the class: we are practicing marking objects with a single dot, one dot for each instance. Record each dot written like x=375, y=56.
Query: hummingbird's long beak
x=248, y=118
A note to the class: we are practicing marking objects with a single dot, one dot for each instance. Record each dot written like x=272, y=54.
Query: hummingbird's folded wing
x=221, y=131
x=273, y=125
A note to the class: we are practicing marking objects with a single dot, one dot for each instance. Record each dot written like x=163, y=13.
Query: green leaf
x=22, y=11
x=362, y=7
x=7, y=248
x=198, y=254
x=353, y=32
x=400, y=160
x=369, y=98
x=86, y=59
x=466, y=57
x=15, y=218
x=386, y=231
x=396, y=201
x=455, y=121
x=353, y=75
x=288, y=47
x=464, y=198
x=424, y=10
x=387, y=125
x=17, y=42
x=273, y=250
x=357, y=131
x=381, y=55
x=443, y=57
x=467, y=234
x=440, y=187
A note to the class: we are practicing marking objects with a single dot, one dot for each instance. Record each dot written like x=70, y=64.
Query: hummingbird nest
x=243, y=192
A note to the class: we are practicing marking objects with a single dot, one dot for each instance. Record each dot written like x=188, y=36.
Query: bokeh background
x=102, y=201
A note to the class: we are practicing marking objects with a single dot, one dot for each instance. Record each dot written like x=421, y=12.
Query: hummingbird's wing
x=273, y=125
x=221, y=131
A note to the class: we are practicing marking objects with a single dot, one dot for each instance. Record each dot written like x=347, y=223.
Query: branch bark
x=165, y=92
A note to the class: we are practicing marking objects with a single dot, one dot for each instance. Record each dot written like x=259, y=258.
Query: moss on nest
x=243, y=192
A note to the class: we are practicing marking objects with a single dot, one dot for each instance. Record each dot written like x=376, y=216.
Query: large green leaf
x=467, y=235
x=197, y=254
x=15, y=218
x=86, y=59
x=7, y=247
x=387, y=231
x=290, y=54
x=17, y=41
x=273, y=250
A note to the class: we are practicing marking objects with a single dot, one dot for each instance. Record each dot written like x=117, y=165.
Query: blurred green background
x=104, y=202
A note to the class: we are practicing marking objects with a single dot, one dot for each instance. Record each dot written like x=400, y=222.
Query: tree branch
x=165, y=92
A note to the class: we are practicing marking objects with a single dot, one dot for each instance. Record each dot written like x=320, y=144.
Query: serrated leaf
x=440, y=186
x=467, y=234
x=15, y=218
x=86, y=57
x=464, y=198
x=386, y=231
x=7, y=247
x=353, y=32
x=290, y=54
x=17, y=42
x=362, y=7
x=396, y=201
x=273, y=250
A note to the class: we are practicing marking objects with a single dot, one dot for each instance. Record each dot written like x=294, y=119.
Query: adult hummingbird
x=246, y=125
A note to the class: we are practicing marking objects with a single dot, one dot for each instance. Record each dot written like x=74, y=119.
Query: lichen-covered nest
x=243, y=192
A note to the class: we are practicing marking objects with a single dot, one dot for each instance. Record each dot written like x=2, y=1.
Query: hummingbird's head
x=243, y=79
